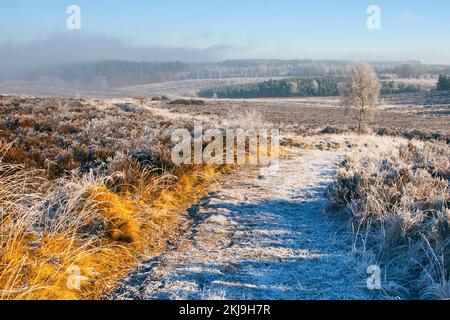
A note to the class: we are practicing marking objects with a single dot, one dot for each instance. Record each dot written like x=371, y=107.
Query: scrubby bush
x=400, y=205
x=161, y=98
x=188, y=102
x=414, y=134
x=331, y=130
x=443, y=83
x=60, y=135
x=141, y=99
x=85, y=187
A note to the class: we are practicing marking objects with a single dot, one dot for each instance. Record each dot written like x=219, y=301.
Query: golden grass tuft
x=99, y=240
x=122, y=216
x=99, y=193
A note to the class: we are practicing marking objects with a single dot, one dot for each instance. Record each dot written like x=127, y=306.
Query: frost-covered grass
x=399, y=199
x=86, y=189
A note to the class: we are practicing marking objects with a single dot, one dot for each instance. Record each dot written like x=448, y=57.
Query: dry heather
x=86, y=189
x=396, y=116
x=400, y=204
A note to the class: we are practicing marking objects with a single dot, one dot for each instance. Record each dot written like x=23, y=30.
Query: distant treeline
x=109, y=74
x=116, y=73
x=307, y=87
x=392, y=87
x=314, y=68
x=313, y=87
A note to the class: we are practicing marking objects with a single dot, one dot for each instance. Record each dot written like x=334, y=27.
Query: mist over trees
x=109, y=74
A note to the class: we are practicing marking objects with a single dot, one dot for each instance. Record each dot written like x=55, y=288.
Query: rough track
x=266, y=237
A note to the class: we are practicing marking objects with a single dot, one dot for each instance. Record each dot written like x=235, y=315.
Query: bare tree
x=141, y=99
x=361, y=91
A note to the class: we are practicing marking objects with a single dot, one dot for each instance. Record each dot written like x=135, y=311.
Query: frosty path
x=265, y=237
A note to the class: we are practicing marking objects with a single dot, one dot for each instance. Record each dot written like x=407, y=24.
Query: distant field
x=428, y=112
x=397, y=113
x=174, y=89
x=184, y=88
x=189, y=88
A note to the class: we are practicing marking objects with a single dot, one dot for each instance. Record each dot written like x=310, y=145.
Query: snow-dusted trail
x=265, y=237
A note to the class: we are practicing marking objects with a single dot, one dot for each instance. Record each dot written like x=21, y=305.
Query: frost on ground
x=266, y=237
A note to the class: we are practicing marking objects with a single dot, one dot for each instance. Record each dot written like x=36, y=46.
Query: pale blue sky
x=246, y=28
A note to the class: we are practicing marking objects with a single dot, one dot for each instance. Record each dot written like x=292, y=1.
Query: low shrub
x=86, y=189
x=188, y=102
x=400, y=206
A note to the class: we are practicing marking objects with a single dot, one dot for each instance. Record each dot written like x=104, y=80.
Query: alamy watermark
x=73, y=22
x=374, y=278
x=75, y=279
x=374, y=19
x=227, y=146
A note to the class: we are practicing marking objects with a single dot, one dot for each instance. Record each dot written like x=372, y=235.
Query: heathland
x=92, y=205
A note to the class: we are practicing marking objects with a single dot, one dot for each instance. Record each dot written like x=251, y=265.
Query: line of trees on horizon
x=304, y=87
x=109, y=74
x=308, y=87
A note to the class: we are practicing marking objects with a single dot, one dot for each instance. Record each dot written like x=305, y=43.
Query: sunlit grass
x=77, y=247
